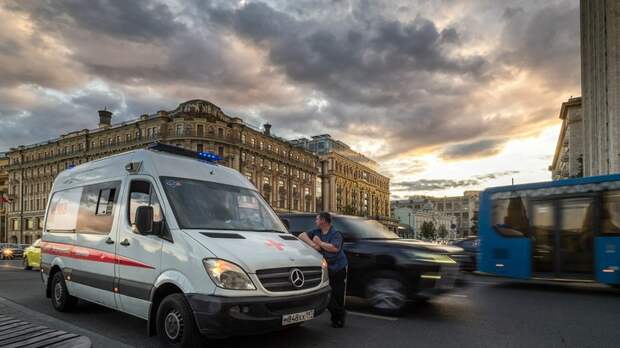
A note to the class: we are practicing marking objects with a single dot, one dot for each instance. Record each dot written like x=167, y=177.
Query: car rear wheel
x=175, y=323
x=61, y=300
x=386, y=294
x=26, y=263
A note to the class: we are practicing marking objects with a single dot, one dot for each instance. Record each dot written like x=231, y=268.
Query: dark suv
x=383, y=268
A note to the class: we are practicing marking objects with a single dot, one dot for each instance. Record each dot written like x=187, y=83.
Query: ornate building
x=4, y=181
x=285, y=175
x=350, y=182
x=568, y=157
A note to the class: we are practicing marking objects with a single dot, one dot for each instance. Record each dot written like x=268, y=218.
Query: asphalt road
x=490, y=312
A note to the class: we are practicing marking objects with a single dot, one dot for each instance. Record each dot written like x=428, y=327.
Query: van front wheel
x=61, y=300
x=175, y=323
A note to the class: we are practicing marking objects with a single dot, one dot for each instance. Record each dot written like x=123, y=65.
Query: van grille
x=279, y=279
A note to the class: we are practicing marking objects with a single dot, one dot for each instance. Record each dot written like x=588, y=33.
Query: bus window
x=510, y=217
x=610, y=214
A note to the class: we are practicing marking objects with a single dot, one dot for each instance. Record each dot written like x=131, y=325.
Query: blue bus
x=566, y=229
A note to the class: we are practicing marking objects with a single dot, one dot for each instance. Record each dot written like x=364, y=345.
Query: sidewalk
x=40, y=321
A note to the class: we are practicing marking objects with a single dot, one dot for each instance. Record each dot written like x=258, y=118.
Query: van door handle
x=109, y=241
x=125, y=242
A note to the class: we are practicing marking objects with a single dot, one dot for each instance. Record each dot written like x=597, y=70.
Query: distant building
x=415, y=218
x=600, y=85
x=568, y=158
x=4, y=195
x=459, y=209
x=350, y=182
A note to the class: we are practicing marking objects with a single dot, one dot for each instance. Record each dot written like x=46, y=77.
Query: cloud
x=443, y=184
x=477, y=149
x=422, y=77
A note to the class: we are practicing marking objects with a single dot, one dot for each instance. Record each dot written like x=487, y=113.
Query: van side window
x=142, y=193
x=63, y=211
x=97, y=208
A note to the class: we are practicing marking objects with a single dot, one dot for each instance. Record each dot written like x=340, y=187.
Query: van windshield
x=206, y=205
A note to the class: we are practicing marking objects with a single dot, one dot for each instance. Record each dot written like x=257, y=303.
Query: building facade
x=4, y=200
x=285, y=175
x=349, y=181
x=569, y=151
x=460, y=209
x=600, y=85
x=415, y=218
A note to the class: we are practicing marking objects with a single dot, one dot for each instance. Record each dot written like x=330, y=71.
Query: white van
x=169, y=236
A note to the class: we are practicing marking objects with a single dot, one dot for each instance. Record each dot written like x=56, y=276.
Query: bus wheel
x=26, y=265
x=175, y=323
x=386, y=294
x=61, y=300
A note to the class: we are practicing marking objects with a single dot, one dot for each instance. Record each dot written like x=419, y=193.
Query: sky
x=446, y=95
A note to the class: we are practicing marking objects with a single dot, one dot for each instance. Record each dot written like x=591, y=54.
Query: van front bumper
x=218, y=316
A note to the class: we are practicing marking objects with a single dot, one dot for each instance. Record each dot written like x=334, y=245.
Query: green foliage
x=442, y=232
x=428, y=230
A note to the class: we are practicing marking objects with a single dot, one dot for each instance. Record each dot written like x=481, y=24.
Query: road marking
x=9, y=266
x=374, y=316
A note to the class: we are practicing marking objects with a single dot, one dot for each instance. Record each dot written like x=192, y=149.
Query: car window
x=298, y=224
x=141, y=193
x=63, y=210
x=97, y=204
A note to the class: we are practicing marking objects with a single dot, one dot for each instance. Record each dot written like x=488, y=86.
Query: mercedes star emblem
x=297, y=277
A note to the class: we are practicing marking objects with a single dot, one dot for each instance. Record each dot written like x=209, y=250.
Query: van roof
x=152, y=162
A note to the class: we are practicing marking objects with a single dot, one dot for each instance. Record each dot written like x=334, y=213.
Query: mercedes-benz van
x=168, y=235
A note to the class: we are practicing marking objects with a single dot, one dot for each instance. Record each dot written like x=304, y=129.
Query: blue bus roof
x=556, y=183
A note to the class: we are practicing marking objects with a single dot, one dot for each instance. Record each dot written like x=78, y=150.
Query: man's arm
x=304, y=237
x=330, y=248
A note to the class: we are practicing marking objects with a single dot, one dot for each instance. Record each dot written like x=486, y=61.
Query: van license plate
x=293, y=318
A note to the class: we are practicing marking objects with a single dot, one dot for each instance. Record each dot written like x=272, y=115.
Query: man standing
x=326, y=240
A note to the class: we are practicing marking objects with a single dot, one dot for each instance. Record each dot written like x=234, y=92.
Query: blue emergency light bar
x=205, y=156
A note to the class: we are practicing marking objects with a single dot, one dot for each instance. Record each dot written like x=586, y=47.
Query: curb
x=26, y=314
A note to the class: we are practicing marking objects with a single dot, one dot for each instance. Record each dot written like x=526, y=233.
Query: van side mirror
x=144, y=219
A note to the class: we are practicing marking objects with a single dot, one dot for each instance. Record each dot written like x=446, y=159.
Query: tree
x=427, y=231
x=442, y=232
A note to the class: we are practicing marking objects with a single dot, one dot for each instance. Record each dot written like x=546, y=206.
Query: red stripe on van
x=81, y=253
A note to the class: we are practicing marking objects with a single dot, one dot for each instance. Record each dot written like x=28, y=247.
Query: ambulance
x=172, y=237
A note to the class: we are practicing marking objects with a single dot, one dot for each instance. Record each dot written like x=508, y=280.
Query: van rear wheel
x=61, y=300
x=175, y=323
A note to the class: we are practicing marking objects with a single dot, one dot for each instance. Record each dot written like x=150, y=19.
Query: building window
x=220, y=151
x=242, y=138
x=199, y=147
x=243, y=157
x=261, y=146
x=220, y=132
x=253, y=142
x=179, y=129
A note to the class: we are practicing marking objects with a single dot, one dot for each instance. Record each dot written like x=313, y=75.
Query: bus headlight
x=227, y=275
x=6, y=252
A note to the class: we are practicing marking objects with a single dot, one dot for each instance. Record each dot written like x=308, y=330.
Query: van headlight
x=430, y=257
x=325, y=277
x=227, y=275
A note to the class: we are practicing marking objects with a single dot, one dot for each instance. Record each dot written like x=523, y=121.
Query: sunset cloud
x=398, y=80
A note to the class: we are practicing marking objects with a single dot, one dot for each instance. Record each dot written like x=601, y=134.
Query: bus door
x=563, y=237
x=543, y=236
x=607, y=242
